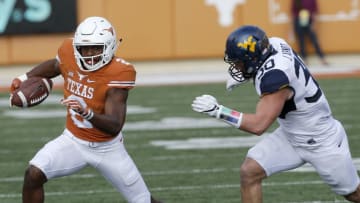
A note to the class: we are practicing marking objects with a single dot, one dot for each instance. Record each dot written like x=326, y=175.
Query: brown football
x=31, y=92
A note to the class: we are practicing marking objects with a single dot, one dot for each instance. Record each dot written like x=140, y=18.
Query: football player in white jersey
x=307, y=132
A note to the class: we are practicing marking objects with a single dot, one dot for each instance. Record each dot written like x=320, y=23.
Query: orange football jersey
x=92, y=87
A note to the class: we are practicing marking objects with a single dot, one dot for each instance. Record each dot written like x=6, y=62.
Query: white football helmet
x=95, y=31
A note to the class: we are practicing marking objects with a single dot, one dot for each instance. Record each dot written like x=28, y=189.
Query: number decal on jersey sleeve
x=80, y=123
x=267, y=66
x=300, y=66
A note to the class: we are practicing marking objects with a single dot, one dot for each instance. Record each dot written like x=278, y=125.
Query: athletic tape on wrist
x=88, y=115
x=230, y=116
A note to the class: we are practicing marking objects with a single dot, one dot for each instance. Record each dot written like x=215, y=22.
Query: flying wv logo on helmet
x=249, y=44
x=247, y=48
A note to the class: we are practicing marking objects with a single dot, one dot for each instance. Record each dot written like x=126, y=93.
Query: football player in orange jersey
x=96, y=85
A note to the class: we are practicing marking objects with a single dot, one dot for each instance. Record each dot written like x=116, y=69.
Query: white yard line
x=304, y=168
x=178, y=188
x=174, y=188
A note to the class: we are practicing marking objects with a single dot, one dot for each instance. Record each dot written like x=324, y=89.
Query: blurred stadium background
x=177, y=47
x=165, y=29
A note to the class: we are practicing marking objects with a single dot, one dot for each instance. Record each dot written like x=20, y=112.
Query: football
x=31, y=92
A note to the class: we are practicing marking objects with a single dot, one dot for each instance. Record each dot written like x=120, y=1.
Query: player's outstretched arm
x=268, y=109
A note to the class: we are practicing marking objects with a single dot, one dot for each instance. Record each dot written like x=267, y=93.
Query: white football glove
x=231, y=83
x=78, y=105
x=206, y=104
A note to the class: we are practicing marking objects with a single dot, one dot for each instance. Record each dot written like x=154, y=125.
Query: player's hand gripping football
x=16, y=82
x=206, y=104
x=78, y=105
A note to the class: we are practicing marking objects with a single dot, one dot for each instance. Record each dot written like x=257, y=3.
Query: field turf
x=200, y=165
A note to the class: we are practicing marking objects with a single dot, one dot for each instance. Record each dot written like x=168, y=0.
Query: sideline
x=194, y=71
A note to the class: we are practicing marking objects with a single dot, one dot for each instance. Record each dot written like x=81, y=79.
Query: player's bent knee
x=34, y=176
x=244, y=170
x=251, y=171
x=247, y=169
x=246, y=177
x=354, y=196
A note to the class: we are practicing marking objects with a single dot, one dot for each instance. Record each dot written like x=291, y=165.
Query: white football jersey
x=306, y=118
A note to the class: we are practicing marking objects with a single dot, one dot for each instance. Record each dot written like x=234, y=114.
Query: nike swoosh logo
x=90, y=81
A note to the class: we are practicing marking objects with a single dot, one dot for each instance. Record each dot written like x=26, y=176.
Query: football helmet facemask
x=247, y=48
x=94, y=31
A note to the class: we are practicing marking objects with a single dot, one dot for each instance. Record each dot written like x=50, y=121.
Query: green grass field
x=167, y=141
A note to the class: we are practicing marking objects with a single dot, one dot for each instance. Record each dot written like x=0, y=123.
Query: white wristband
x=23, y=77
x=88, y=115
x=230, y=116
